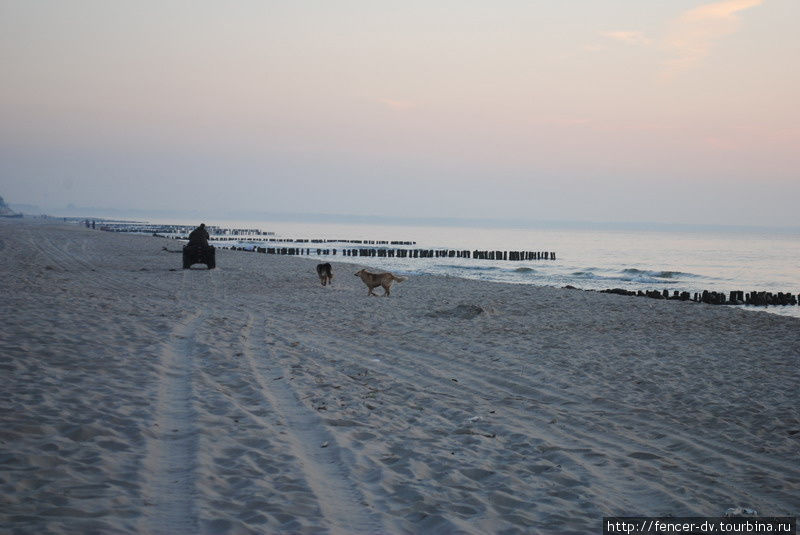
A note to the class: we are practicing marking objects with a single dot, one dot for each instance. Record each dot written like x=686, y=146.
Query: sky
x=669, y=111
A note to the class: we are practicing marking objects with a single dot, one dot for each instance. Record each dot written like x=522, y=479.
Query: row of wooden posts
x=736, y=297
x=357, y=242
x=184, y=230
x=381, y=252
x=181, y=232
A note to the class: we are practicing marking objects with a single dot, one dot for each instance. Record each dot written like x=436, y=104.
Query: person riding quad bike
x=199, y=236
x=198, y=251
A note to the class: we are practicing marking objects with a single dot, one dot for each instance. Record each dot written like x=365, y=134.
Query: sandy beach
x=138, y=397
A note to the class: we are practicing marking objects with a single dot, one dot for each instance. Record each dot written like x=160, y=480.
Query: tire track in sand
x=482, y=381
x=170, y=463
x=342, y=505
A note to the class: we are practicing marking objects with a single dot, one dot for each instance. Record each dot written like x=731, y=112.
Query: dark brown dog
x=325, y=273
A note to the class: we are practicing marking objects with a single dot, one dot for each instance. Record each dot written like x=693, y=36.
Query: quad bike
x=199, y=254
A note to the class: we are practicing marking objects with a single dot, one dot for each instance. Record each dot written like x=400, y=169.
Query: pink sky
x=616, y=110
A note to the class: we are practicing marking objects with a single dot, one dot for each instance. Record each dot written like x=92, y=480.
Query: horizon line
x=392, y=220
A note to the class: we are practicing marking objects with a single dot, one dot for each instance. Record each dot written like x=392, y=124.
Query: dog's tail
x=399, y=278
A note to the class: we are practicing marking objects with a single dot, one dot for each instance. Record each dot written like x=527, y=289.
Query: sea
x=588, y=256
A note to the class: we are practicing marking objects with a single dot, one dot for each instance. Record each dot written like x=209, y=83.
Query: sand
x=138, y=397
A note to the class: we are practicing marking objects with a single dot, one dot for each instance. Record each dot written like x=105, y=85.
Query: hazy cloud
x=696, y=31
x=628, y=37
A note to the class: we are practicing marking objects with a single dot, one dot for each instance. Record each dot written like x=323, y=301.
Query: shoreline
x=453, y=405
x=377, y=253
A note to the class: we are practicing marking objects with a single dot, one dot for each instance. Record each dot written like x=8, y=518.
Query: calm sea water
x=634, y=259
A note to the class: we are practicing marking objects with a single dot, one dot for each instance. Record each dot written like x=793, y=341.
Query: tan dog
x=373, y=280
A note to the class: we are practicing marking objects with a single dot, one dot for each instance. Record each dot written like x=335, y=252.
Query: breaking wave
x=629, y=275
x=658, y=274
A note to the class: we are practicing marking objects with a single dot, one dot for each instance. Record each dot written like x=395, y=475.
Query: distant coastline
x=118, y=214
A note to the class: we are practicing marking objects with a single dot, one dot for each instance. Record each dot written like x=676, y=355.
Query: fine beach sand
x=138, y=397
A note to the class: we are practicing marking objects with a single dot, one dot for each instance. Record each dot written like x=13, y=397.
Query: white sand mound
x=462, y=311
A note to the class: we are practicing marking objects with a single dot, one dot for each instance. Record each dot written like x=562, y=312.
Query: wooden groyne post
x=736, y=297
